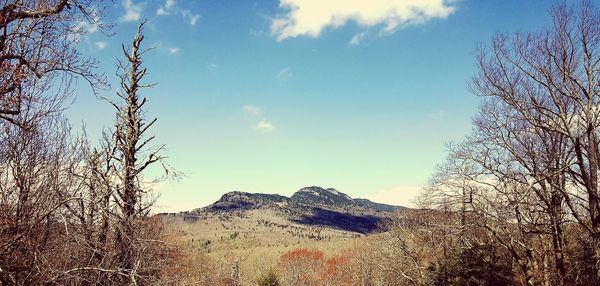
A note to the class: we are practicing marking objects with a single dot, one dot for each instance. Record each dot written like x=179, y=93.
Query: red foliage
x=334, y=265
x=301, y=266
x=301, y=254
x=308, y=267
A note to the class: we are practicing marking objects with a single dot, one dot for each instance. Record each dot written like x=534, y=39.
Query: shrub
x=269, y=278
x=300, y=266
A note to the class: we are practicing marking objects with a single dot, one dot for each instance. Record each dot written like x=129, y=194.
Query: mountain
x=236, y=201
x=320, y=197
x=375, y=206
x=315, y=206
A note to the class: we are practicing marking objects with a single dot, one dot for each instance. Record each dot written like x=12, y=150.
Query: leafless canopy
x=530, y=168
x=38, y=55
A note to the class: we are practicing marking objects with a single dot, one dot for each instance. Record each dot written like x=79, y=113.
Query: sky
x=272, y=96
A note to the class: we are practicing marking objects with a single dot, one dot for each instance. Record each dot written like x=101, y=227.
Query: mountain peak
x=318, y=196
x=236, y=200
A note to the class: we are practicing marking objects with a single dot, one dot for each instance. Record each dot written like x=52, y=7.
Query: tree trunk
x=557, y=232
x=592, y=190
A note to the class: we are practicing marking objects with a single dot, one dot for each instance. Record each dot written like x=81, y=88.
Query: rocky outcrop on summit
x=320, y=197
x=235, y=201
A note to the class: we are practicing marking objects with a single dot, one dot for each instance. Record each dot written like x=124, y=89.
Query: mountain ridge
x=313, y=196
x=314, y=205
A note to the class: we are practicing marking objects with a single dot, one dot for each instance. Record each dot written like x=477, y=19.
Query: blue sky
x=272, y=96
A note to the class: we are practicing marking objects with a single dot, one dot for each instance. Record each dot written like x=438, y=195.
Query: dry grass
x=255, y=240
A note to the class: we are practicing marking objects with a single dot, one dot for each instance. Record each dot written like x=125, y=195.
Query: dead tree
x=133, y=156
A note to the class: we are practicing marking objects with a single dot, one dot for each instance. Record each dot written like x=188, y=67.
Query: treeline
x=72, y=212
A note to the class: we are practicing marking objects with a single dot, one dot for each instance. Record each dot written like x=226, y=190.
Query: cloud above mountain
x=311, y=17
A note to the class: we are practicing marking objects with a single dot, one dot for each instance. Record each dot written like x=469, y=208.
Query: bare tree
x=418, y=240
x=133, y=156
x=531, y=164
x=112, y=239
x=34, y=185
x=550, y=80
x=38, y=42
x=507, y=163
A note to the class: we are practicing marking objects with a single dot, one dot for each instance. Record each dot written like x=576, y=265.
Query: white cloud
x=87, y=28
x=252, y=109
x=82, y=30
x=265, y=126
x=284, y=74
x=191, y=17
x=356, y=39
x=171, y=8
x=310, y=17
x=133, y=11
x=166, y=8
x=100, y=45
x=400, y=196
x=173, y=51
x=169, y=4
